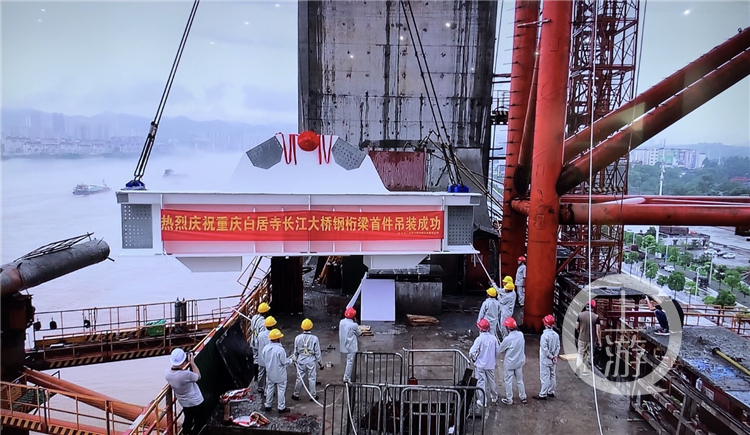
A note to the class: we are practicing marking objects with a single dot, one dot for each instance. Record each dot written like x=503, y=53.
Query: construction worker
x=521, y=280
x=186, y=390
x=263, y=342
x=306, y=355
x=274, y=357
x=491, y=310
x=588, y=327
x=256, y=324
x=549, y=349
x=507, y=304
x=483, y=354
x=348, y=333
x=514, y=347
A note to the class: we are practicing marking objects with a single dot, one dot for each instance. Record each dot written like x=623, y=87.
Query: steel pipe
x=654, y=122
x=513, y=226
x=656, y=198
x=554, y=53
x=90, y=397
x=522, y=176
x=655, y=214
x=23, y=274
x=657, y=94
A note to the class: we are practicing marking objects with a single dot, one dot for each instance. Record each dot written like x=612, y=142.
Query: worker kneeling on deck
x=483, y=354
x=549, y=349
x=507, y=304
x=276, y=361
x=306, y=356
x=490, y=310
x=348, y=333
x=186, y=390
x=257, y=323
x=263, y=342
x=514, y=347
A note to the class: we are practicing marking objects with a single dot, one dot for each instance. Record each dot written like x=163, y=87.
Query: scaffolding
x=602, y=78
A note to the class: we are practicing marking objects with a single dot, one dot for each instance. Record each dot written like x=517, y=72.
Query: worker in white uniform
x=549, y=349
x=514, y=347
x=306, y=356
x=276, y=361
x=348, y=335
x=491, y=311
x=263, y=341
x=256, y=325
x=483, y=354
x=521, y=280
x=507, y=304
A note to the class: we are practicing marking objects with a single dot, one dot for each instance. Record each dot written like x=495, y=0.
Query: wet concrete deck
x=572, y=411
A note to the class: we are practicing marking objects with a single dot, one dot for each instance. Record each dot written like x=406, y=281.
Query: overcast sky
x=240, y=64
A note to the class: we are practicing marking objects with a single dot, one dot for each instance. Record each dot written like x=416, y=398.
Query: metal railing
x=163, y=413
x=130, y=319
x=399, y=409
x=431, y=366
x=53, y=411
x=379, y=368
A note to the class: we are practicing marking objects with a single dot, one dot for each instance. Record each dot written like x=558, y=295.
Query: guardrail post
x=170, y=413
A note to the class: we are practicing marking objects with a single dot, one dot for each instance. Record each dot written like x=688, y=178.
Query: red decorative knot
x=308, y=141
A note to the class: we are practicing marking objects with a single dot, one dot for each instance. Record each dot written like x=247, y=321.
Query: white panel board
x=212, y=264
x=378, y=300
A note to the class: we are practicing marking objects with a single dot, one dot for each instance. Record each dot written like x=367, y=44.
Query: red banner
x=206, y=226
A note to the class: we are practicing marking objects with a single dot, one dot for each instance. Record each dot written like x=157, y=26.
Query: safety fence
x=400, y=409
x=379, y=368
x=53, y=411
x=436, y=366
x=163, y=414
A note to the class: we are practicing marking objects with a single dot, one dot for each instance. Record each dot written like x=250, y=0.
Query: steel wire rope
x=148, y=146
x=414, y=41
x=591, y=175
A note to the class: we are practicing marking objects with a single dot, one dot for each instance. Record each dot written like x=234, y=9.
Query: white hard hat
x=178, y=357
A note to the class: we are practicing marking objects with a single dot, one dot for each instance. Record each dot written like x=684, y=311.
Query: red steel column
x=513, y=232
x=656, y=121
x=554, y=52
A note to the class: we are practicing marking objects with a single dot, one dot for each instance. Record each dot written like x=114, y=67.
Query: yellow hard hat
x=270, y=321
x=264, y=308
x=491, y=292
x=507, y=279
x=275, y=334
x=307, y=325
x=509, y=286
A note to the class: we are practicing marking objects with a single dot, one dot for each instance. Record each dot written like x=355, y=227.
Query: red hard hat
x=549, y=320
x=522, y=258
x=510, y=323
x=592, y=303
x=350, y=313
x=483, y=325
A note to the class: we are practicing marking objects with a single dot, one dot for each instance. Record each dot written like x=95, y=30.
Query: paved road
x=742, y=299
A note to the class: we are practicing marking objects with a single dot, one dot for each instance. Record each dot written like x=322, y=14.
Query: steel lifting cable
x=452, y=172
x=591, y=175
x=148, y=146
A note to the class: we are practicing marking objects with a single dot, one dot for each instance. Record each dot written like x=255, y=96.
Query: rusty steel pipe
x=23, y=274
x=522, y=176
x=544, y=208
x=513, y=225
x=657, y=94
x=90, y=397
x=656, y=198
x=521, y=206
x=655, y=121
x=656, y=214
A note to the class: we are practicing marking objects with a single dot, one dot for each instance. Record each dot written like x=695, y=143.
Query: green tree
x=732, y=279
x=630, y=258
x=685, y=259
x=709, y=300
x=661, y=249
x=651, y=270
x=649, y=240
x=651, y=231
x=638, y=240
x=744, y=289
x=662, y=280
x=628, y=238
x=726, y=298
x=676, y=281
x=673, y=254
x=692, y=287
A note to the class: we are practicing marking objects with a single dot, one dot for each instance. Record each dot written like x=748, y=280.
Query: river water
x=38, y=208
